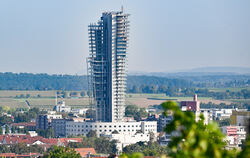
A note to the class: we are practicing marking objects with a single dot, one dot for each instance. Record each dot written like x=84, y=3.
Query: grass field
x=10, y=94
x=225, y=89
x=47, y=99
x=144, y=100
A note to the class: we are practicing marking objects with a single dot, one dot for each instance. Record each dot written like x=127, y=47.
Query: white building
x=208, y=116
x=61, y=107
x=221, y=113
x=106, y=128
x=128, y=139
x=234, y=135
x=79, y=111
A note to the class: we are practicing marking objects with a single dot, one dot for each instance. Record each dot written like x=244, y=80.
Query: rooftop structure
x=108, y=40
x=191, y=105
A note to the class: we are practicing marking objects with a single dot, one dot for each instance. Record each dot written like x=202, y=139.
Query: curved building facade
x=108, y=41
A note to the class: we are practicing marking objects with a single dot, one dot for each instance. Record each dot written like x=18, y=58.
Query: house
x=31, y=126
x=13, y=155
x=85, y=152
x=36, y=140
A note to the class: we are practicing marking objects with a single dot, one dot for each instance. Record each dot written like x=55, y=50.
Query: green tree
x=61, y=152
x=131, y=110
x=147, y=149
x=7, y=129
x=1, y=130
x=92, y=133
x=193, y=139
x=101, y=144
x=4, y=149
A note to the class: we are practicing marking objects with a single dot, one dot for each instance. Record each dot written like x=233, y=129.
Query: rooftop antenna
x=122, y=8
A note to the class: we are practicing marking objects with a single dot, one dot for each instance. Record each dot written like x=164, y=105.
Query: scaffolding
x=106, y=66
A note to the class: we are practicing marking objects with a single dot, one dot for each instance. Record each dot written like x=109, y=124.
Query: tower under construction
x=108, y=41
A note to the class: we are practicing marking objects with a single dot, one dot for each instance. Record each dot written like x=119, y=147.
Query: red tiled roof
x=49, y=141
x=65, y=141
x=7, y=155
x=24, y=124
x=84, y=151
x=14, y=139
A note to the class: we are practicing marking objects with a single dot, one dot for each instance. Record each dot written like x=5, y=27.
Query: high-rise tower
x=108, y=40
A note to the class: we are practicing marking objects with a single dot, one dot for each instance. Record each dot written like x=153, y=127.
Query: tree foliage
x=61, y=152
x=147, y=149
x=20, y=148
x=135, y=111
x=101, y=144
x=193, y=139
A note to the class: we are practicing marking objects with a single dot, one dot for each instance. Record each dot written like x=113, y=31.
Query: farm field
x=144, y=100
x=10, y=94
x=46, y=99
x=225, y=89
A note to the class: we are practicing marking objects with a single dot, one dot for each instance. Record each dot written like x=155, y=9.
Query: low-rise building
x=61, y=107
x=43, y=121
x=190, y=105
x=240, y=118
x=85, y=152
x=31, y=126
x=220, y=114
x=59, y=127
x=83, y=128
x=127, y=139
x=234, y=135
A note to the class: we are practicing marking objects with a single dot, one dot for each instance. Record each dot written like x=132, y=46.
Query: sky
x=51, y=36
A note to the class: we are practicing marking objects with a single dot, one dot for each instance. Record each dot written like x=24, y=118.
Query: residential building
x=108, y=41
x=10, y=139
x=85, y=152
x=31, y=126
x=59, y=127
x=43, y=121
x=234, y=135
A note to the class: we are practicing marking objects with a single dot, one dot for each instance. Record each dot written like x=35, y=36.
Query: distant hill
x=203, y=71
x=237, y=70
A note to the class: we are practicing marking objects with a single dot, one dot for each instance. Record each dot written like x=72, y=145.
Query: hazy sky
x=50, y=36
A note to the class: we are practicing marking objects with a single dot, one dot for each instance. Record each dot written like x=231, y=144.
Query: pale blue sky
x=50, y=36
